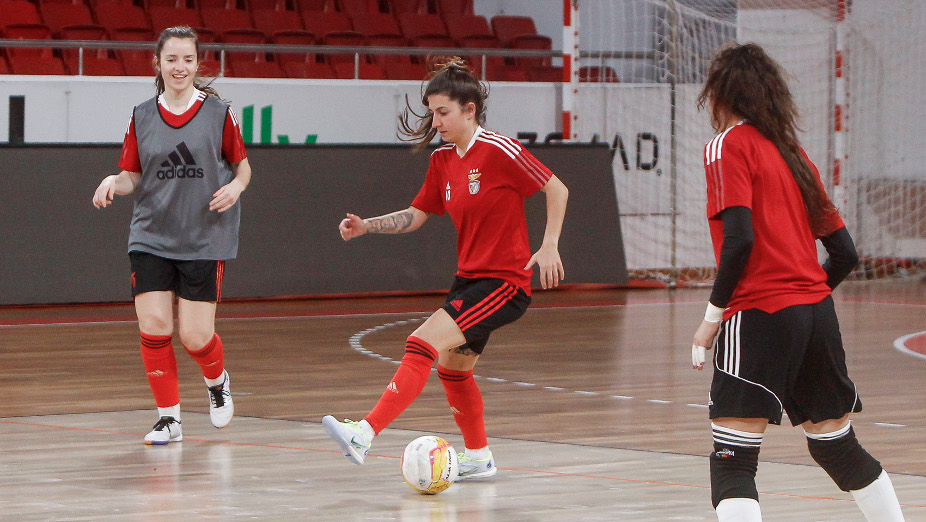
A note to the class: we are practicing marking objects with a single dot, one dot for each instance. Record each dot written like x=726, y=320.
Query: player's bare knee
x=843, y=458
x=195, y=337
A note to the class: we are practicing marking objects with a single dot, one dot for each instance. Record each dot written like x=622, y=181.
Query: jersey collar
x=197, y=95
x=476, y=134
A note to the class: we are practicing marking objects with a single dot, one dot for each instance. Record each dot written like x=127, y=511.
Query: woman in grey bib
x=184, y=160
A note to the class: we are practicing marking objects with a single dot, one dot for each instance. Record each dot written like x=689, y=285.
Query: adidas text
x=180, y=171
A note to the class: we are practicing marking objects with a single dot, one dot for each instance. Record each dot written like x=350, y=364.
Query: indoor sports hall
x=592, y=408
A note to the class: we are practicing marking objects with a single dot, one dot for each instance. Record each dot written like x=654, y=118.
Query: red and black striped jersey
x=484, y=193
x=743, y=168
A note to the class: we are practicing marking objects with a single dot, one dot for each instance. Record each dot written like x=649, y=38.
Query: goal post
x=854, y=69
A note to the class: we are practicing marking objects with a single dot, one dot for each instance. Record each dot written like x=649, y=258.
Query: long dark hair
x=180, y=31
x=747, y=82
x=451, y=77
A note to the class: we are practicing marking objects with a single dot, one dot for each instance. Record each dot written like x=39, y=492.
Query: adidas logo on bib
x=179, y=164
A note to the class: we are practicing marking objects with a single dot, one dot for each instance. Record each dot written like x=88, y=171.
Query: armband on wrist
x=713, y=314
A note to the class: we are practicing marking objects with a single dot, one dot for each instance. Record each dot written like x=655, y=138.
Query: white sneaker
x=221, y=407
x=349, y=436
x=476, y=469
x=166, y=429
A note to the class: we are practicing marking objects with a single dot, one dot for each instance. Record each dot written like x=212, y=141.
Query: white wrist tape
x=713, y=314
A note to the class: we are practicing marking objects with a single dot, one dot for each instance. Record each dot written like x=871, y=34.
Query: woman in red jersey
x=184, y=159
x=481, y=179
x=770, y=314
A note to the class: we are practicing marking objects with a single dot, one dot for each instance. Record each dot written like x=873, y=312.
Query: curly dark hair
x=744, y=80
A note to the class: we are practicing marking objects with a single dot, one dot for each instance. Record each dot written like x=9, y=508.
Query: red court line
x=542, y=472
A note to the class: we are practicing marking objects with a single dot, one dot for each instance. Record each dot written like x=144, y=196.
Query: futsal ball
x=430, y=464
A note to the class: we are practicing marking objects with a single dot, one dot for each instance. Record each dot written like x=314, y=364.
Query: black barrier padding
x=57, y=248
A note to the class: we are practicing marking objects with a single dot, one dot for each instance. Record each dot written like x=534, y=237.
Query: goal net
x=857, y=124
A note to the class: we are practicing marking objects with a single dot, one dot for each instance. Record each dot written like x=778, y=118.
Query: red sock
x=211, y=358
x=466, y=404
x=406, y=385
x=157, y=353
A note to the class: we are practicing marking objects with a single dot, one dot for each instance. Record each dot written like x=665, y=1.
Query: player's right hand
x=352, y=226
x=105, y=192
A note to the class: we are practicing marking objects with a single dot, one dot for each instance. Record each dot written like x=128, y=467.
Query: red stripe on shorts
x=487, y=306
x=219, y=273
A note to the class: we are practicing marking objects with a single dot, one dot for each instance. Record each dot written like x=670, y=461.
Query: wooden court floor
x=592, y=410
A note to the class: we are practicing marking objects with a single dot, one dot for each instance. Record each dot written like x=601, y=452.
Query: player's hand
x=227, y=196
x=105, y=192
x=703, y=341
x=352, y=226
x=549, y=264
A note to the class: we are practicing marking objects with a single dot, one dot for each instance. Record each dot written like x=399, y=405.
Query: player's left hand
x=550, y=265
x=225, y=197
x=703, y=341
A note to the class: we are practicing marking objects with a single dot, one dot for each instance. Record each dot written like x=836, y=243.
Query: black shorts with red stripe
x=481, y=306
x=196, y=280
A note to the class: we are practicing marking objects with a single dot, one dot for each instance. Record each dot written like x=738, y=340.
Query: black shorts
x=480, y=306
x=196, y=280
x=791, y=360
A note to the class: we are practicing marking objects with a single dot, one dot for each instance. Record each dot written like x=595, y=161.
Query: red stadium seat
x=136, y=62
x=368, y=71
x=358, y=6
x=508, y=27
x=406, y=71
x=451, y=8
x=18, y=12
x=293, y=38
x=221, y=20
x=27, y=32
x=316, y=5
x=322, y=23
x=4, y=67
x=462, y=27
x=537, y=42
x=408, y=6
x=414, y=25
x=386, y=60
x=271, y=21
x=598, y=74
x=346, y=39
x=37, y=65
x=163, y=17
x=309, y=70
x=138, y=66
x=96, y=66
x=121, y=16
x=244, y=36
x=220, y=4
x=246, y=68
x=376, y=24
x=59, y=15
x=545, y=74
x=86, y=32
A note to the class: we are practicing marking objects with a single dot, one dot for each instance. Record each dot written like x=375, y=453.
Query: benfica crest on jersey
x=474, y=181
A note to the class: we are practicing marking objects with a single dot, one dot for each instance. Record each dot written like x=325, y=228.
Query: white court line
x=900, y=345
x=357, y=344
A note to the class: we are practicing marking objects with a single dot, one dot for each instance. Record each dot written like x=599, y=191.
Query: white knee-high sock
x=878, y=501
x=739, y=510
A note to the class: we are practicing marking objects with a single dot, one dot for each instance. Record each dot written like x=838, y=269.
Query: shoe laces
x=217, y=395
x=163, y=423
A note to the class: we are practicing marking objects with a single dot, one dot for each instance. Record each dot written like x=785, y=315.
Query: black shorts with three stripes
x=481, y=306
x=791, y=360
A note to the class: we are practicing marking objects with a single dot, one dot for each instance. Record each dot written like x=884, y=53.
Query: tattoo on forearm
x=394, y=223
